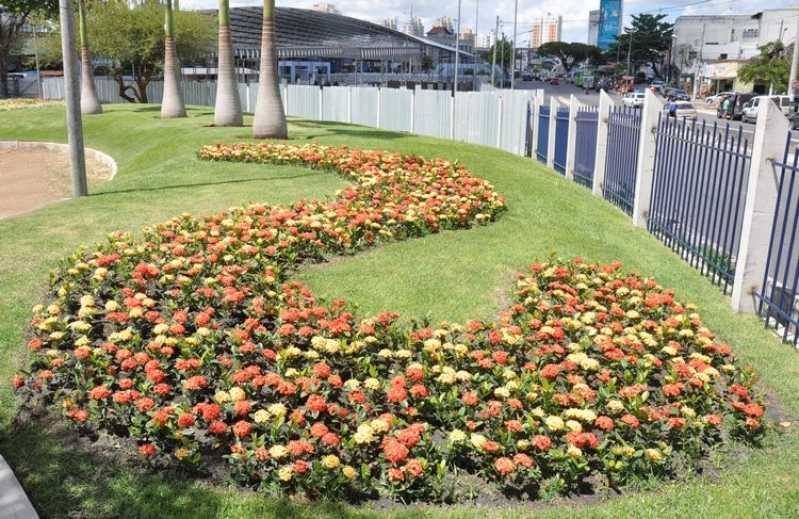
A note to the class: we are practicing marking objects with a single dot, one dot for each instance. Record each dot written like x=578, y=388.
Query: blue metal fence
x=699, y=194
x=543, y=133
x=621, y=161
x=561, y=139
x=777, y=302
x=587, y=122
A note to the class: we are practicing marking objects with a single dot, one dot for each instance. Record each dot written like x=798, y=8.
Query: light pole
x=72, y=97
x=513, y=47
x=494, y=58
x=457, y=50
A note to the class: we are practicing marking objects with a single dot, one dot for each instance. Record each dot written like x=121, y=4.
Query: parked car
x=527, y=77
x=634, y=99
x=676, y=94
x=751, y=108
x=680, y=110
x=554, y=81
x=738, y=102
x=717, y=97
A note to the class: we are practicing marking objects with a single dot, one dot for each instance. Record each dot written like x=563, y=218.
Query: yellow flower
x=277, y=410
x=182, y=453
x=330, y=461
x=220, y=397
x=478, y=440
x=364, y=434
x=554, y=423
x=615, y=406
x=574, y=452
x=379, y=425
x=285, y=473
x=457, y=436
x=371, y=383
x=278, y=451
x=349, y=472
x=653, y=455
x=574, y=425
x=261, y=416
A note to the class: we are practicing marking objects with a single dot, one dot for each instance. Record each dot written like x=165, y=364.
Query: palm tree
x=89, y=104
x=270, y=120
x=227, y=111
x=172, y=103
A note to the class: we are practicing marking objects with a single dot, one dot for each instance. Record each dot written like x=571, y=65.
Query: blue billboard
x=609, y=22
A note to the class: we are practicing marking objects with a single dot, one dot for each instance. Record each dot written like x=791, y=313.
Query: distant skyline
x=574, y=12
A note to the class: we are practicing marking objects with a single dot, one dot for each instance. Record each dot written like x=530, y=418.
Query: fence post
x=413, y=111
x=538, y=100
x=452, y=117
x=499, y=121
x=349, y=104
x=379, y=96
x=646, y=158
x=571, y=141
x=285, y=99
x=761, y=202
x=247, y=85
x=603, y=120
x=553, y=115
x=321, y=104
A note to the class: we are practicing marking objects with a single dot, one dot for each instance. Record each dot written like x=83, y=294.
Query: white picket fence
x=495, y=118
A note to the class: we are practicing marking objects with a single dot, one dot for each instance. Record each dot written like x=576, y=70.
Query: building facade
x=593, y=27
x=712, y=48
x=546, y=29
x=610, y=22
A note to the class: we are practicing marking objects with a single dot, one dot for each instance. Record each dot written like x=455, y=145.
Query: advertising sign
x=610, y=22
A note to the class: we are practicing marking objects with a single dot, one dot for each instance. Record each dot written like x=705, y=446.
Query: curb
x=14, y=504
x=91, y=153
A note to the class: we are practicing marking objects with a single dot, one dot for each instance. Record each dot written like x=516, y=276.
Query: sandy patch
x=34, y=178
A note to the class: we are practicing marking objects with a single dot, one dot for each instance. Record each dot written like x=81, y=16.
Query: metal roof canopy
x=305, y=33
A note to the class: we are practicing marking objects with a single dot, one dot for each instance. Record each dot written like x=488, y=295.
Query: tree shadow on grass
x=336, y=128
x=200, y=184
x=65, y=475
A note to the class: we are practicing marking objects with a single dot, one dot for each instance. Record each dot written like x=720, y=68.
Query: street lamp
x=513, y=48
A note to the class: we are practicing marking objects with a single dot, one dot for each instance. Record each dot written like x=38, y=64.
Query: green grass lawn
x=452, y=275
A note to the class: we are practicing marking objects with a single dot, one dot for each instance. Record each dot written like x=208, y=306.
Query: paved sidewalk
x=14, y=504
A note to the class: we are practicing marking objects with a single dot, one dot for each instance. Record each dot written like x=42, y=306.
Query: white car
x=680, y=110
x=751, y=108
x=716, y=98
x=634, y=99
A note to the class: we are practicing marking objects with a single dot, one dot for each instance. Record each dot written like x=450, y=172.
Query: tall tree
x=13, y=16
x=89, y=103
x=172, y=103
x=270, y=120
x=227, y=110
x=771, y=66
x=504, y=50
x=647, y=41
x=570, y=54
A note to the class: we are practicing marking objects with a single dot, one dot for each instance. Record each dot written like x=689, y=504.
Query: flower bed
x=18, y=103
x=193, y=341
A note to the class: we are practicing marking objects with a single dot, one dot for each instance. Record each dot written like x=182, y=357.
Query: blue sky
x=574, y=12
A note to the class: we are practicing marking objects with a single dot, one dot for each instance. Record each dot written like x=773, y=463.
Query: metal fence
x=561, y=139
x=543, y=133
x=699, y=194
x=777, y=297
x=621, y=161
x=586, y=122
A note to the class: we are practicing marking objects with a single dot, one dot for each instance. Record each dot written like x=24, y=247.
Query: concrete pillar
x=761, y=200
x=553, y=114
x=646, y=158
x=571, y=141
x=605, y=105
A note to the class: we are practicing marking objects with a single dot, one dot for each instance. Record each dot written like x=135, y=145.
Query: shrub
x=193, y=341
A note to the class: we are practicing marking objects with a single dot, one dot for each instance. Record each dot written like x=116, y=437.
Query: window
x=751, y=33
x=723, y=55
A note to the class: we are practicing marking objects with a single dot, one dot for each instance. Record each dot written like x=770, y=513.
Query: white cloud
x=574, y=12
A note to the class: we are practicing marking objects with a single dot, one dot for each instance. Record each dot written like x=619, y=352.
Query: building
x=468, y=39
x=593, y=26
x=486, y=40
x=546, y=29
x=610, y=22
x=714, y=47
x=391, y=23
x=313, y=44
x=324, y=7
x=414, y=26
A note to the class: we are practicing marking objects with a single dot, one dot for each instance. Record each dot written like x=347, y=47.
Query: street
x=562, y=93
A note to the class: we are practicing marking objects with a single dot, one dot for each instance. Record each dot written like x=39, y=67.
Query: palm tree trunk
x=89, y=103
x=270, y=120
x=172, y=103
x=227, y=111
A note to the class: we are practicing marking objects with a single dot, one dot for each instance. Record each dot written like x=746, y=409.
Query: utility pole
x=494, y=57
x=476, y=21
x=629, y=54
x=72, y=97
x=38, y=70
x=697, y=71
x=502, y=62
x=457, y=50
x=795, y=61
x=513, y=47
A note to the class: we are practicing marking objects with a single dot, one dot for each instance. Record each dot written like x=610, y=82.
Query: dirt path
x=31, y=179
